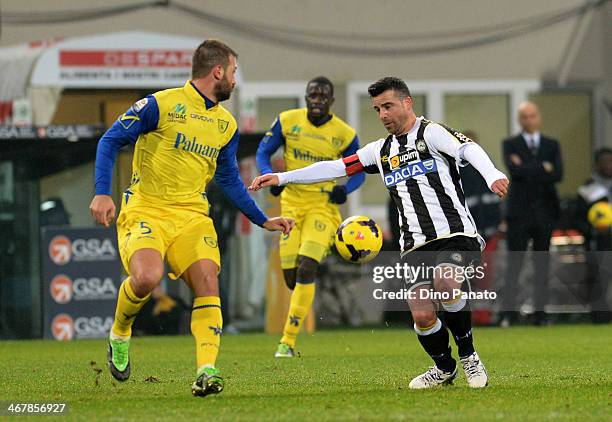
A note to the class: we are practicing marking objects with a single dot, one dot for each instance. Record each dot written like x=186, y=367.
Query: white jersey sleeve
x=478, y=158
x=314, y=173
x=369, y=156
x=448, y=141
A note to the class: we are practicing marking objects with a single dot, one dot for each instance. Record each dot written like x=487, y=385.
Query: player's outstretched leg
x=458, y=318
x=301, y=302
x=128, y=305
x=434, y=339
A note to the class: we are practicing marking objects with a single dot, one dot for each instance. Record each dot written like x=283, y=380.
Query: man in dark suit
x=534, y=163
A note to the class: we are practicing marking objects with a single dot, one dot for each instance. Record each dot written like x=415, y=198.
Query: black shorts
x=457, y=251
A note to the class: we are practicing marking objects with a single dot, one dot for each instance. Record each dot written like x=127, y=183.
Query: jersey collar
x=414, y=127
x=196, y=94
x=327, y=119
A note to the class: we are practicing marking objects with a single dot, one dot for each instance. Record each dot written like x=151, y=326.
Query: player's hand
x=500, y=187
x=338, y=194
x=264, y=180
x=103, y=209
x=276, y=190
x=282, y=224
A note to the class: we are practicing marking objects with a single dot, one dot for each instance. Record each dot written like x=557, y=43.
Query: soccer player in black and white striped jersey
x=418, y=163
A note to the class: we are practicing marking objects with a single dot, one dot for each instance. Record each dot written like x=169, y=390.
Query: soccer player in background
x=183, y=137
x=308, y=135
x=418, y=163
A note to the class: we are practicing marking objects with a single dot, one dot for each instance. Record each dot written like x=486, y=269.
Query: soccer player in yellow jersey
x=183, y=137
x=308, y=135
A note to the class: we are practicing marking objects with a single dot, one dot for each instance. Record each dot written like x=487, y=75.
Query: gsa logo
x=60, y=250
x=61, y=289
x=62, y=327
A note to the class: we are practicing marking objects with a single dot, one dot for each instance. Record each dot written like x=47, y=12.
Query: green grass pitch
x=556, y=373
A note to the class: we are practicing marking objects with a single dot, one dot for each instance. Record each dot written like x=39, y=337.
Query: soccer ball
x=600, y=215
x=359, y=239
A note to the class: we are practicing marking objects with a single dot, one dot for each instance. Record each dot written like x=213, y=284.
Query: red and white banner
x=126, y=58
x=119, y=60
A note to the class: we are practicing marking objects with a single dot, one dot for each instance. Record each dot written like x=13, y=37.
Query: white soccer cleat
x=433, y=378
x=475, y=371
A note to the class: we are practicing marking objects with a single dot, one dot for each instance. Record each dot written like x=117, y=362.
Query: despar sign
x=117, y=60
x=81, y=279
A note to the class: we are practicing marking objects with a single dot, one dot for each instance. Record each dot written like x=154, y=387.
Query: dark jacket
x=532, y=189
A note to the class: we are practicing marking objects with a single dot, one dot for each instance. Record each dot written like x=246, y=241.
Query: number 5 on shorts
x=145, y=228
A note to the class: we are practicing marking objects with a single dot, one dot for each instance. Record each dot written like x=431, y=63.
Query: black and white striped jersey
x=420, y=170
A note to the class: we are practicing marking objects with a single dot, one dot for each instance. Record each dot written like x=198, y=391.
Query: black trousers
x=520, y=231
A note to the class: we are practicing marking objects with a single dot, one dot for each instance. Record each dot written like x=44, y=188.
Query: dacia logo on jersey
x=179, y=115
x=191, y=145
x=410, y=171
x=402, y=159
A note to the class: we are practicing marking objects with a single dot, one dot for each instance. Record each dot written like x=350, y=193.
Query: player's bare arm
x=103, y=209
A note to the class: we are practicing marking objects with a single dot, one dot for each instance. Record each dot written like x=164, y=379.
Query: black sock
x=436, y=345
x=460, y=326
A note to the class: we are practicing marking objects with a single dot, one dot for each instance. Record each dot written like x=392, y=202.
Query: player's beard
x=223, y=90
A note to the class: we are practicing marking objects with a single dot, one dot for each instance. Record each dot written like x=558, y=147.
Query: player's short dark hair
x=601, y=152
x=208, y=55
x=322, y=80
x=387, y=83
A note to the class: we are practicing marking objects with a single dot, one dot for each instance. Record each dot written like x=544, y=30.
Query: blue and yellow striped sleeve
x=228, y=178
x=268, y=146
x=142, y=117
